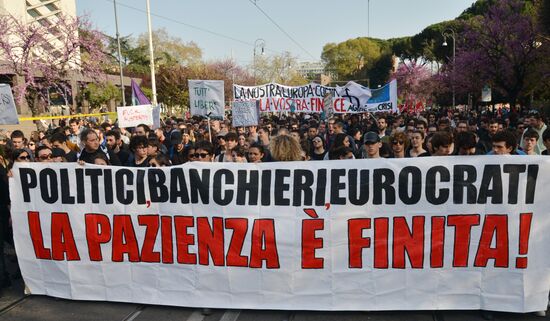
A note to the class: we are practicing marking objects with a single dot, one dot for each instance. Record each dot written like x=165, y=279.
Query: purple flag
x=138, y=97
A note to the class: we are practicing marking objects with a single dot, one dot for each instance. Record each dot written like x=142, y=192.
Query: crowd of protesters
x=294, y=137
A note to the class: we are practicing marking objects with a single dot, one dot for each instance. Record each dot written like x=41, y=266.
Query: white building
x=36, y=10
x=315, y=71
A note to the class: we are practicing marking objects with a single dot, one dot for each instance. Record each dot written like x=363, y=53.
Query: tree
x=48, y=53
x=503, y=49
x=169, y=49
x=278, y=68
x=98, y=94
x=172, y=80
x=347, y=58
x=414, y=82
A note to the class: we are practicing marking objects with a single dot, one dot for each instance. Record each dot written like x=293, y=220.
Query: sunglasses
x=24, y=157
x=44, y=157
x=200, y=155
x=398, y=142
x=31, y=144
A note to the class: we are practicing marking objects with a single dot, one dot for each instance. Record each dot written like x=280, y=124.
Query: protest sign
x=131, y=116
x=207, y=98
x=388, y=234
x=156, y=117
x=382, y=99
x=486, y=95
x=245, y=113
x=274, y=97
x=358, y=95
x=8, y=111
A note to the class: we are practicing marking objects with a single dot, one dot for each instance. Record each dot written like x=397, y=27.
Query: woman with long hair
x=284, y=148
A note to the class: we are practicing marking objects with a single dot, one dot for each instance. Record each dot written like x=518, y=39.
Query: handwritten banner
x=390, y=234
x=8, y=111
x=131, y=116
x=309, y=98
x=207, y=98
x=245, y=113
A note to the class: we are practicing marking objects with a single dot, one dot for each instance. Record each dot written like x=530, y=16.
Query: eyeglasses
x=44, y=157
x=398, y=142
x=201, y=155
x=31, y=144
x=28, y=157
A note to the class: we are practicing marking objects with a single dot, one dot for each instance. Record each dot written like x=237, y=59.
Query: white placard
x=8, y=111
x=486, y=95
x=131, y=116
x=388, y=234
x=207, y=98
x=245, y=113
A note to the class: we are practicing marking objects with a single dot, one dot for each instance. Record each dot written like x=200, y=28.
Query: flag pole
x=152, y=62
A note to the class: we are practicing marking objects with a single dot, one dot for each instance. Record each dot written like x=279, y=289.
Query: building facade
x=36, y=10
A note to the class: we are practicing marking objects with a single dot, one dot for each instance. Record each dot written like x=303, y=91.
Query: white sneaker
x=540, y=313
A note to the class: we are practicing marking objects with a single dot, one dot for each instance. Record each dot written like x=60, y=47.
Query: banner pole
x=209, y=129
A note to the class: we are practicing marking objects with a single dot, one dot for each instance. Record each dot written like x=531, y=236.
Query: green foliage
x=98, y=94
x=380, y=72
x=279, y=68
x=169, y=49
x=348, y=58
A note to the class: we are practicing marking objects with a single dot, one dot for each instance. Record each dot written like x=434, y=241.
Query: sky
x=226, y=29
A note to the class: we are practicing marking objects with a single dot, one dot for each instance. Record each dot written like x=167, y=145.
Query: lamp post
x=151, y=55
x=450, y=32
x=119, y=58
x=259, y=43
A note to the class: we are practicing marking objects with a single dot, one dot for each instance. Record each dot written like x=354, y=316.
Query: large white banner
x=8, y=111
x=390, y=234
x=351, y=98
x=207, y=98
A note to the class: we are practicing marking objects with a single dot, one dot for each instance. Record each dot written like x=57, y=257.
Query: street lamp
x=450, y=32
x=260, y=44
x=119, y=58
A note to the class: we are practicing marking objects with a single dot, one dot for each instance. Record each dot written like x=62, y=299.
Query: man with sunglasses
x=44, y=154
x=204, y=151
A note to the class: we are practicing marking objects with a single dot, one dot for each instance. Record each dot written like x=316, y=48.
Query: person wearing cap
x=221, y=142
x=372, y=145
x=230, y=144
x=177, y=150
